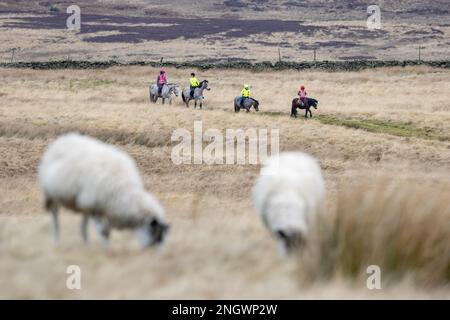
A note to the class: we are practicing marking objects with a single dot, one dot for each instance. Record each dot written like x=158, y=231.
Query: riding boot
x=241, y=103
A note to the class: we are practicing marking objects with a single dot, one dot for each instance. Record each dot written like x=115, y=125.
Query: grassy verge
x=384, y=126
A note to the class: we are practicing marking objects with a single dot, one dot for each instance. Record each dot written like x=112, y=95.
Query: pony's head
x=204, y=84
x=175, y=90
x=313, y=103
x=256, y=105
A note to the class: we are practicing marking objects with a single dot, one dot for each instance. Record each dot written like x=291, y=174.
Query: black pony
x=296, y=104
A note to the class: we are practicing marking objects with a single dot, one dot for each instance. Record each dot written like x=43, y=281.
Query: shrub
x=404, y=228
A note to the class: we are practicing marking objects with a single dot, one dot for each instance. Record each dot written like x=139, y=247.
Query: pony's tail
x=182, y=97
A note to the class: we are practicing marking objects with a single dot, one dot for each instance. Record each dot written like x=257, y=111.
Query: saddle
x=242, y=100
x=301, y=101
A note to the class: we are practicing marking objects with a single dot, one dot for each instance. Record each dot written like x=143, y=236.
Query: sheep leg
x=281, y=247
x=103, y=230
x=55, y=229
x=84, y=228
x=51, y=206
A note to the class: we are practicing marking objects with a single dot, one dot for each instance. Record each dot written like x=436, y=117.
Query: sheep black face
x=153, y=233
x=158, y=231
x=289, y=241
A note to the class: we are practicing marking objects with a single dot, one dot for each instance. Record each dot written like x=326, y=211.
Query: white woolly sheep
x=287, y=195
x=100, y=182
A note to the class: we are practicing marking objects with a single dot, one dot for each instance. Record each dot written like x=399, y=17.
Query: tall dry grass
x=402, y=227
x=217, y=248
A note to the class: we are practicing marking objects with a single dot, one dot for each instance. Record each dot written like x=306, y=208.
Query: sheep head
x=154, y=229
x=287, y=218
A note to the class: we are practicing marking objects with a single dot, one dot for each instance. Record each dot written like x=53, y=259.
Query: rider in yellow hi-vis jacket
x=194, y=83
x=245, y=93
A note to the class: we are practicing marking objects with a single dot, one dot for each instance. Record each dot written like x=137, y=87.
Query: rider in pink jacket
x=302, y=94
x=161, y=80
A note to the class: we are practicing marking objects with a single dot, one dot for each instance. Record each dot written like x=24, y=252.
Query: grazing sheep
x=100, y=182
x=287, y=195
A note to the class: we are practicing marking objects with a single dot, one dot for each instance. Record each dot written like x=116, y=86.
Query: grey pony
x=167, y=92
x=198, y=94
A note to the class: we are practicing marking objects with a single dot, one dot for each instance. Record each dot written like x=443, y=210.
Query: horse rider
x=302, y=95
x=194, y=83
x=245, y=94
x=161, y=80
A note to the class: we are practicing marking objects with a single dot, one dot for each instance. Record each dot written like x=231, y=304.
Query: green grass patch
x=272, y=113
x=401, y=129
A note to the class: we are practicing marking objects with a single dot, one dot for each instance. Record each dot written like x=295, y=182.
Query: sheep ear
x=282, y=234
x=154, y=223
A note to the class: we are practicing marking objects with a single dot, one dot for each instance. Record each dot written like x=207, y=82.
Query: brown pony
x=309, y=102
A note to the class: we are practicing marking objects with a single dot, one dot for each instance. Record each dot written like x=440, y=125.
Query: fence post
x=13, y=50
x=420, y=53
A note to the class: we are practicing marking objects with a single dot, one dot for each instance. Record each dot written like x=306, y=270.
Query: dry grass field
x=217, y=247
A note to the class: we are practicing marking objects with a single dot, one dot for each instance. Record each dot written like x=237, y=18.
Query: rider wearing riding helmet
x=194, y=83
x=161, y=80
x=245, y=94
x=302, y=95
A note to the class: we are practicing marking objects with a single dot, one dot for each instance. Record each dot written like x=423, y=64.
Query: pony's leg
x=310, y=113
x=195, y=104
x=201, y=104
x=163, y=100
x=306, y=113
